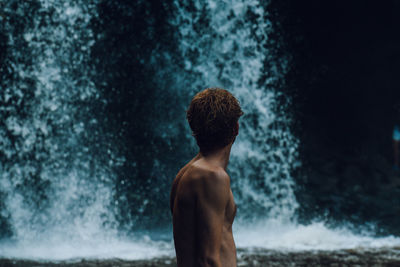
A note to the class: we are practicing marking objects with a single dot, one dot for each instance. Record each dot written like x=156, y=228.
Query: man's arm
x=176, y=181
x=210, y=212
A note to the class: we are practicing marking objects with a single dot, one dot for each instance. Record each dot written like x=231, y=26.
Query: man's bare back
x=201, y=201
x=203, y=211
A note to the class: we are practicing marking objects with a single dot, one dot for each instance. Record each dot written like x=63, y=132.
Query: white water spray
x=226, y=44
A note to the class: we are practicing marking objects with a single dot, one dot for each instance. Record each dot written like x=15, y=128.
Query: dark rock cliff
x=344, y=84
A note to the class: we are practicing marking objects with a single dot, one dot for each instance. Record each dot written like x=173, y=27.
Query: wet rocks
x=249, y=258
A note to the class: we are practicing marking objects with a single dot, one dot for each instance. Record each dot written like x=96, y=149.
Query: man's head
x=213, y=117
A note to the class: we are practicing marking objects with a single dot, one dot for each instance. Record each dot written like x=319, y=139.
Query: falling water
x=51, y=184
x=226, y=44
x=57, y=188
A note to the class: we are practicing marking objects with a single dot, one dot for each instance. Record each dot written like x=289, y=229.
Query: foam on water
x=271, y=235
x=143, y=248
x=316, y=236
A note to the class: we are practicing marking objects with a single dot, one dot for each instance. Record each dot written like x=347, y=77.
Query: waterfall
x=55, y=186
x=227, y=44
x=57, y=179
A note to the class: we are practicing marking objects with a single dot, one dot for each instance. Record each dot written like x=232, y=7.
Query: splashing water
x=56, y=185
x=43, y=139
x=316, y=236
x=226, y=44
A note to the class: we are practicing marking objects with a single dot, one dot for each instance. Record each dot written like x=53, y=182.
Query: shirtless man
x=202, y=203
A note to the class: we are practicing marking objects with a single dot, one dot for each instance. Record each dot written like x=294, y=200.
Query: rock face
x=250, y=258
x=345, y=101
x=353, y=189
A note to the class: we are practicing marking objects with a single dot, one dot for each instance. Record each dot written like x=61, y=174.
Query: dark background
x=344, y=84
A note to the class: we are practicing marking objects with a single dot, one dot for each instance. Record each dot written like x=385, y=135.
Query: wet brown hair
x=212, y=116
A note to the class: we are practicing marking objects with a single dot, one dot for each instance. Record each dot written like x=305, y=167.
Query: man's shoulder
x=204, y=173
x=206, y=178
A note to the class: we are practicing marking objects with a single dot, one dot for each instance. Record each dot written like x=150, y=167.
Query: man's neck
x=218, y=157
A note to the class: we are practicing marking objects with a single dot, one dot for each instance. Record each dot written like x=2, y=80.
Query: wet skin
x=203, y=211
